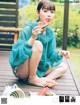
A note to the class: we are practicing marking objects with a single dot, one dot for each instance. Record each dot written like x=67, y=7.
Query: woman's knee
x=64, y=67
x=37, y=47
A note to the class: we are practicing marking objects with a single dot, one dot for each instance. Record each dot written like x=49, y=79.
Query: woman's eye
x=52, y=11
x=45, y=11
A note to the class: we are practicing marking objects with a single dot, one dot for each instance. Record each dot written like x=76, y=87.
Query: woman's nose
x=49, y=14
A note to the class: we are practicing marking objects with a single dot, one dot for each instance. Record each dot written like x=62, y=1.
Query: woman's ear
x=37, y=13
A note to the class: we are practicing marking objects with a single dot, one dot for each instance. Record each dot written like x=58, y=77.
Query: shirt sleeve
x=53, y=56
x=21, y=50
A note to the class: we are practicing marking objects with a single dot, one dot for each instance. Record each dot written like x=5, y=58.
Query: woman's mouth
x=48, y=20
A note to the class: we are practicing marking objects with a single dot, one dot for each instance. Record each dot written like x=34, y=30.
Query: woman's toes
x=51, y=83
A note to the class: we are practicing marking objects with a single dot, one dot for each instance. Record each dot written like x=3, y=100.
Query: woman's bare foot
x=44, y=82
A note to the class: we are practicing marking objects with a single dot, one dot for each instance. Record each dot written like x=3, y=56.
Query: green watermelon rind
x=44, y=25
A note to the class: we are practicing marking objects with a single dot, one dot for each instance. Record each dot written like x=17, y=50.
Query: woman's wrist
x=34, y=37
x=31, y=41
x=60, y=53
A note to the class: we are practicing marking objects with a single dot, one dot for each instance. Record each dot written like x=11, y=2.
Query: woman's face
x=46, y=15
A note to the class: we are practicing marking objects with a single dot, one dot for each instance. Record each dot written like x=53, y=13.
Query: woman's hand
x=64, y=53
x=36, y=31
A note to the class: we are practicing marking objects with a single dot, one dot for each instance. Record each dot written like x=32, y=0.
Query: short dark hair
x=45, y=5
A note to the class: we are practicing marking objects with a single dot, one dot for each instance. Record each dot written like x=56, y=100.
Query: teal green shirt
x=21, y=50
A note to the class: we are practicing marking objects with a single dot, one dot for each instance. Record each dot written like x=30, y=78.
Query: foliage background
x=28, y=14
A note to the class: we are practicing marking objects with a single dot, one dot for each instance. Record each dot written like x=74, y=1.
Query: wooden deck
x=67, y=84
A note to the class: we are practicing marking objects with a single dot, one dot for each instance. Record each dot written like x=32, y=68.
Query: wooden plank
x=8, y=80
x=61, y=88
x=8, y=18
x=7, y=0
x=15, y=81
x=65, y=81
x=70, y=77
x=6, y=41
x=5, y=48
x=8, y=6
x=60, y=82
x=8, y=46
x=67, y=75
x=6, y=73
x=8, y=24
x=6, y=35
x=8, y=77
x=66, y=84
x=74, y=77
x=17, y=2
x=6, y=66
x=10, y=29
x=7, y=12
x=58, y=92
x=67, y=88
x=7, y=83
x=63, y=92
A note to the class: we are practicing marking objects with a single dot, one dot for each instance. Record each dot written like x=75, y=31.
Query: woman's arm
x=21, y=50
x=53, y=54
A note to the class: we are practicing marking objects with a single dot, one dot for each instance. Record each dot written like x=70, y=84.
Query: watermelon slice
x=45, y=92
x=43, y=24
x=42, y=92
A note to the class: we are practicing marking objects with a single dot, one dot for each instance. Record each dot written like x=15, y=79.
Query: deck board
x=67, y=84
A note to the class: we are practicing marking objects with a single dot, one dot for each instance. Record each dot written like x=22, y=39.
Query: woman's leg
x=54, y=73
x=23, y=70
x=35, y=58
x=29, y=67
x=33, y=64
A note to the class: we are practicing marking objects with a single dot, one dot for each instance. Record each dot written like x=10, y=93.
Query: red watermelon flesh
x=43, y=24
x=43, y=92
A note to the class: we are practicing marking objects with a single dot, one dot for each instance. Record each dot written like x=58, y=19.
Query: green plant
x=28, y=14
x=59, y=39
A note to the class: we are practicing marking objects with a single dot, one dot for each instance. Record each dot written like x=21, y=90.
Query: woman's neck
x=44, y=30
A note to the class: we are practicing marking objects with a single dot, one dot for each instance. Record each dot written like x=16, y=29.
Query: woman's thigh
x=23, y=69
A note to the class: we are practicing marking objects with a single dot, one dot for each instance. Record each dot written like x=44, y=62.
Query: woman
x=33, y=56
